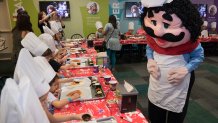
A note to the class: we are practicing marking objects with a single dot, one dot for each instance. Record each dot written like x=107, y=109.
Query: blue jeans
x=112, y=57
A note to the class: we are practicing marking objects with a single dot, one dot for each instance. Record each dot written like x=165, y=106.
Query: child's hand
x=176, y=75
x=75, y=96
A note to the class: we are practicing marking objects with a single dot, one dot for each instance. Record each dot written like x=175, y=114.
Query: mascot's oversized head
x=171, y=23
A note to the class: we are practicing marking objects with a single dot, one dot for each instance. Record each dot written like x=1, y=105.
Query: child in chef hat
x=204, y=32
x=213, y=31
x=26, y=66
x=130, y=29
x=99, y=32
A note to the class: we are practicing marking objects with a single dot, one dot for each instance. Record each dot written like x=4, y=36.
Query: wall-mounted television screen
x=202, y=9
x=62, y=7
x=133, y=9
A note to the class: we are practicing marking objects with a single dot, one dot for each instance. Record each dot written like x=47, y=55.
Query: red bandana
x=177, y=50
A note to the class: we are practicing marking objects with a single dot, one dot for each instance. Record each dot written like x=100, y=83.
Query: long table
x=98, y=108
x=210, y=45
x=99, y=42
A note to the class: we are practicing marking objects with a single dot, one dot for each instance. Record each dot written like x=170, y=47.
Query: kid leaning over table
x=39, y=48
x=54, y=82
x=28, y=67
x=99, y=32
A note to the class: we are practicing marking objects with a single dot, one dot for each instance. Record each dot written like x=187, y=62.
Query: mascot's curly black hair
x=185, y=10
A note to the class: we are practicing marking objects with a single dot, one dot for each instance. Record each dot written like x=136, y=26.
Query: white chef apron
x=163, y=94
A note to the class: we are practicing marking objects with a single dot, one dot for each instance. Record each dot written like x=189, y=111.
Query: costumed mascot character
x=173, y=53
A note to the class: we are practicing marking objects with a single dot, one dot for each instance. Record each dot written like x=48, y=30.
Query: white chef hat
x=98, y=25
x=48, y=31
x=131, y=26
x=49, y=41
x=10, y=109
x=213, y=25
x=33, y=44
x=31, y=106
x=54, y=27
x=31, y=114
x=26, y=66
x=46, y=68
x=154, y=3
x=205, y=23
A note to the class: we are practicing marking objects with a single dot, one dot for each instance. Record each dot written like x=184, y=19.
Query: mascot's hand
x=153, y=68
x=176, y=75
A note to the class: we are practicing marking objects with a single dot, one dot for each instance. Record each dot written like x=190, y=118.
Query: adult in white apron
x=173, y=53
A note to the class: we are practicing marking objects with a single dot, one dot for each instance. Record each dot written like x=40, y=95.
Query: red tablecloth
x=99, y=42
x=133, y=41
x=97, y=108
x=209, y=39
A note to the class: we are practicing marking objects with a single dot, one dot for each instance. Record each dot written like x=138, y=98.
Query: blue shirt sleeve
x=149, y=52
x=196, y=57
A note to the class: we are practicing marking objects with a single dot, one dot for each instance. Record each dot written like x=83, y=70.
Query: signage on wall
x=17, y=5
x=93, y=8
x=116, y=12
x=211, y=18
x=212, y=10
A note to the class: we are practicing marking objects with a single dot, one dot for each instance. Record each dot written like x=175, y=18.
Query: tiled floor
x=203, y=105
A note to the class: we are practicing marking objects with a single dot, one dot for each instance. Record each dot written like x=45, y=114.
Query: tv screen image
x=62, y=7
x=202, y=9
x=133, y=9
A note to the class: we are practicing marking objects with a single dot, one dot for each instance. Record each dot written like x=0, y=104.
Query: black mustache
x=168, y=36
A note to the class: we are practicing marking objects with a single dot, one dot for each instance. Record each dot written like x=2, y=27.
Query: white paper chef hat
x=26, y=66
x=49, y=41
x=154, y=3
x=46, y=68
x=131, y=26
x=54, y=27
x=205, y=23
x=98, y=25
x=213, y=25
x=10, y=109
x=48, y=31
x=33, y=44
x=32, y=108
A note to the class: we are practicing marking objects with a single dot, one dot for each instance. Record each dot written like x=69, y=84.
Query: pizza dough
x=74, y=92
